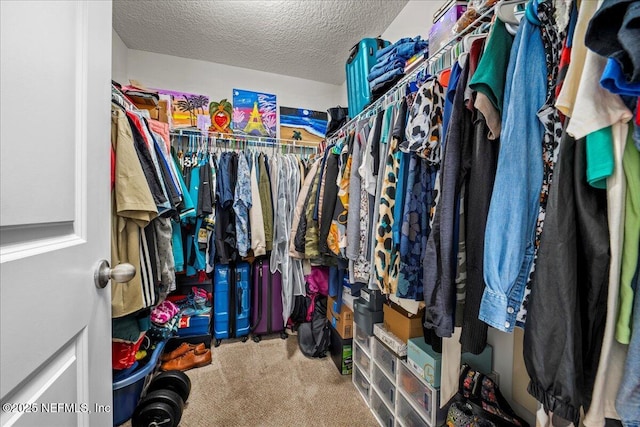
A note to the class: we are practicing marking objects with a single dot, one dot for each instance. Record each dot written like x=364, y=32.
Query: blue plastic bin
x=127, y=392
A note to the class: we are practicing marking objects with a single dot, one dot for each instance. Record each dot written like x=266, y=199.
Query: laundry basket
x=127, y=392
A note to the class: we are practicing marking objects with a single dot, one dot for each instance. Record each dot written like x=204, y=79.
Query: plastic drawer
x=362, y=359
x=385, y=358
x=385, y=387
x=381, y=411
x=407, y=415
x=361, y=337
x=362, y=383
x=420, y=394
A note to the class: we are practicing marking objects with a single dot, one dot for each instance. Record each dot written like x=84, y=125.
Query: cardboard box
x=341, y=351
x=402, y=324
x=158, y=112
x=341, y=320
x=427, y=363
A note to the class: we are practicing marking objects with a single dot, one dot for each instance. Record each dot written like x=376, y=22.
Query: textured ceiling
x=309, y=39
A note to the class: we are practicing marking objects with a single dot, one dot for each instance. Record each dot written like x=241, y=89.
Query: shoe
x=187, y=361
x=182, y=349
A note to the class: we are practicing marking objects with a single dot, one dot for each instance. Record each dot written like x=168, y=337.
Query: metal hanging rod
x=259, y=140
x=413, y=73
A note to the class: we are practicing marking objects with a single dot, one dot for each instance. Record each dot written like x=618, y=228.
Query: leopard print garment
x=424, y=127
x=549, y=116
x=386, y=263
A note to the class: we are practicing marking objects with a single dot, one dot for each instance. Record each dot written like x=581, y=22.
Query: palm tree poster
x=186, y=107
x=254, y=113
x=302, y=124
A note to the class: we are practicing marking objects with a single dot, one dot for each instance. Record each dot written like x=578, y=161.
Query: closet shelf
x=373, y=107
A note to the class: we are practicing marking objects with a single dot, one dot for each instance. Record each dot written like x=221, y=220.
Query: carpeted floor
x=271, y=384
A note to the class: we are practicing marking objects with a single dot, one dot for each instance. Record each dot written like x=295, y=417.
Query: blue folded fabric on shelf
x=389, y=75
x=392, y=59
x=381, y=68
x=402, y=49
x=387, y=49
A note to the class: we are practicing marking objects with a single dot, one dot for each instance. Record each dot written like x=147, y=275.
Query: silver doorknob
x=120, y=273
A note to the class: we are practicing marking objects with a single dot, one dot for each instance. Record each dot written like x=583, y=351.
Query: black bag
x=300, y=308
x=336, y=118
x=313, y=337
x=479, y=403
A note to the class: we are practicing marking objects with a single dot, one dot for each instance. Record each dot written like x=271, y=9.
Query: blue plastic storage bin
x=127, y=392
x=361, y=59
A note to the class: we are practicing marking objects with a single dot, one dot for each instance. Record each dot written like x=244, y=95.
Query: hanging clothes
x=133, y=208
x=241, y=205
x=226, y=247
x=256, y=215
x=337, y=237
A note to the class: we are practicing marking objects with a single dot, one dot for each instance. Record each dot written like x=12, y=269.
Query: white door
x=54, y=212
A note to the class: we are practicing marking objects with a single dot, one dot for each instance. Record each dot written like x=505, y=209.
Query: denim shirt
x=513, y=212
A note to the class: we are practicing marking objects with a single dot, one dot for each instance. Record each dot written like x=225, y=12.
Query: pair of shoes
x=183, y=348
x=188, y=361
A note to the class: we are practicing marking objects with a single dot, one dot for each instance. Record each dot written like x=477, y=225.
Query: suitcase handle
x=353, y=52
x=259, y=292
x=239, y=305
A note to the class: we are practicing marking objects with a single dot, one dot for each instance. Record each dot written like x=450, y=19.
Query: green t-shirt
x=490, y=75
x=631, y=166
x=386, y=125
x=600, y=161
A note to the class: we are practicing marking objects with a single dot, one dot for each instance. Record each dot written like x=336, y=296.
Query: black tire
x=284, y=335
x=169, y=397
x=155, y=413
x=245, y=338
x=176, y=381
x=217, y=343
x=256, y=338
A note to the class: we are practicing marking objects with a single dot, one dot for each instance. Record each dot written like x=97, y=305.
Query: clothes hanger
x=506, y=11
x=469, y=39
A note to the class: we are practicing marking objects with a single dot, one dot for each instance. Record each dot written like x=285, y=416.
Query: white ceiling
x=309, y=39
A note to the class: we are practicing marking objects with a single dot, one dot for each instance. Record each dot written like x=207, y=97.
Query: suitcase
x=266, y=306
x=231, y=301
x=361, y=59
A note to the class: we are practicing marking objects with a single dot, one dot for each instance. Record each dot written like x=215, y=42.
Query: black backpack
x=300, y=309
x=313, y=337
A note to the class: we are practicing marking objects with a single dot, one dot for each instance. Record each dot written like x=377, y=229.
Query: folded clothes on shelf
x=392, y=59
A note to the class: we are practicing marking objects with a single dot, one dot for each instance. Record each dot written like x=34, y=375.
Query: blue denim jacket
x=511, y=222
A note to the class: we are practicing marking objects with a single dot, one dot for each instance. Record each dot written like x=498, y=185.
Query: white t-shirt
x=613, y=354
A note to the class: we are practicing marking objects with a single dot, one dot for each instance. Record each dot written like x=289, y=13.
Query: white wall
x=416, y=18
x=119, y=59
x=218, y=80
